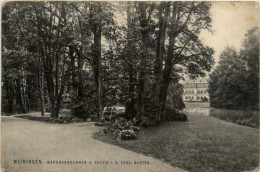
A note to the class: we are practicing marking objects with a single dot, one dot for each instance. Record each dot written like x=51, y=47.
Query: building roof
x=199, y=80
x=198, y=83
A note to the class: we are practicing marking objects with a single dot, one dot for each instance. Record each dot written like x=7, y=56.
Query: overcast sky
x=230, y=22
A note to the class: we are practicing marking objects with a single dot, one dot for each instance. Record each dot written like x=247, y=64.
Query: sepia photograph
x=130, y=86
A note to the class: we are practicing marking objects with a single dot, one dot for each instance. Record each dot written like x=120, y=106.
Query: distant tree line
x=234, y=84
x=82, y=56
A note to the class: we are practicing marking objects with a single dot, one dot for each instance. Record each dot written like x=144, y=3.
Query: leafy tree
x=234, y=83
x=226, y=81
x=19, y=66
x=74, y=52
x=250, y=54
x=186, y=21
x=179, y=24
x=174, y=97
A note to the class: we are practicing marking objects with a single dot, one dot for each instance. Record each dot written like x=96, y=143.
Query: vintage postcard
x=129, y=86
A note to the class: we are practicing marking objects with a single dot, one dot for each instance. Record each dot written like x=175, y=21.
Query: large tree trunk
x=51, y=97
x=53, y=114
x=168, y=65
x=27, y=96
x=10, y=105
x=131, y=83
x=159, y=53
x=164, y=88
x=56, y=92
x=42, y=94
x=21, y=84
x=19, y=94
x=80, y=66
x=22, y=90
x=41, y=90
x=24, y=98
x=9, y=96
x=98, y=69
x=51, y=57
x=50, y=87
x=73, y=72
x=144, y=39
x=58, y=102
x=63, y=76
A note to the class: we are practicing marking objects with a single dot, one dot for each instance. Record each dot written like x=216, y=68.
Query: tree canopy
x=234, y=83
x=78, y=55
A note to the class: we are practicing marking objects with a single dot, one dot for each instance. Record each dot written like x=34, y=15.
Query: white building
x=196, y=90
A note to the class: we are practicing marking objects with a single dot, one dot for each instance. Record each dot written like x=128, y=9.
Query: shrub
x=126, y=135
x=123, y=124
x=79, y=109
x=123, y=129
x=246, y=122
x=228, y=120
x=84, y=109
x=130, y=108
x=241, y=117
x=146, y=122
x=174, y=115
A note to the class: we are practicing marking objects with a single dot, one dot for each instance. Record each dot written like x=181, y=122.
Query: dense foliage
x=85, y=56
x=242, y=117
x=234, y=84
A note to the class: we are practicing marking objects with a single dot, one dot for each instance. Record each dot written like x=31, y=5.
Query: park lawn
x=203, y=143
x=197, y=104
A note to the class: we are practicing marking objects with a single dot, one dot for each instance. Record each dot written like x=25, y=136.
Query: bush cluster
x=246, y=118
x=126, y=135
x=83, y=109
x=174, y=115
x=246, y=122
x=123, y=129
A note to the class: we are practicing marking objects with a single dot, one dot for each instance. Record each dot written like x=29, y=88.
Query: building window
x=205, y=91
x=198, y=98
x=192, y=92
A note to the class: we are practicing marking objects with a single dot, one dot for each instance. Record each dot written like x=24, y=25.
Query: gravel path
x=31, y=140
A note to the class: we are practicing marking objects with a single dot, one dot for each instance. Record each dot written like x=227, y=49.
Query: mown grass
x=203, y=143
x=197, y=104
